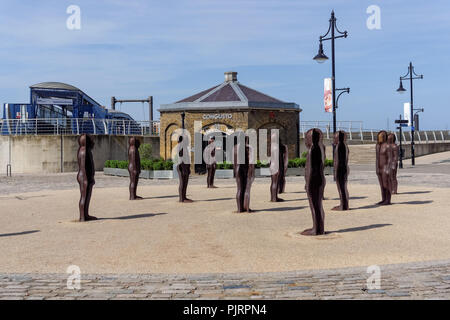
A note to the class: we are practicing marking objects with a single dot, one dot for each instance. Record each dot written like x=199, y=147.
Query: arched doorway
x=214, y=129
x=273, y=125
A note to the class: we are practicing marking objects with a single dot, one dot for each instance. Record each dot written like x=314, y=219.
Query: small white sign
x=407, y=112
x=217, y=116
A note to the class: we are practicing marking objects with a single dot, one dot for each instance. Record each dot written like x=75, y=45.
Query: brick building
x=227, y=107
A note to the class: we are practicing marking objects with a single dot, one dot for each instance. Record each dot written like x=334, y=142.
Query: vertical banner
x=327, y=95
x=407, y=112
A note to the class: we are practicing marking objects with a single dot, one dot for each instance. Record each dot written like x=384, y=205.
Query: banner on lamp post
x=407, y=112
x=327, y=95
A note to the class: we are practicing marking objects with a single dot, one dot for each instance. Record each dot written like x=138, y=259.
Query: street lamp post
x=416, y=118
x=321, y=57
x=183, y=115
x=411, y=75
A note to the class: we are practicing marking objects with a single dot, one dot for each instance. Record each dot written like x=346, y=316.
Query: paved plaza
x=159, y=248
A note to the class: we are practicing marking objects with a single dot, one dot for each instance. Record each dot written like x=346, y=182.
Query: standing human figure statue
x=391, y=139
x=383, y=167
x=134, y=166
x=284, y=163
x=278, y=172
x=244, y=174
x=211, y=166
x=85, y=176
x=184, y=170
x=315, y=181
x=341, y=169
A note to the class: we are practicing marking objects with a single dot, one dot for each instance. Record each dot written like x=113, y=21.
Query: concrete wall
x=50, y=154
x=421, y=149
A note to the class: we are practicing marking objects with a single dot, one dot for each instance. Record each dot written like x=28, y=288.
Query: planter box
x=116, y=172
x=161, y=174
x=295, y=172
x=224, y=174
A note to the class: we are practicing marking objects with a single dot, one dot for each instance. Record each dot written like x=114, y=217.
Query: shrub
x=145, y=151
x=304, y=154
x=123, y=164
x=114, y=163
x=224, y=165
x=168, y=165
x=146, y=164
x=107, y=164
x=291, y=163
x=328, y=162
x=158, y=165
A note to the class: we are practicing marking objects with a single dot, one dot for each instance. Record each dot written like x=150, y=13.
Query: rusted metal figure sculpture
x=134, y=166
x=341, y=169
x=315, y=180
x=244, y=174
x=278, y=174
x=184, y=170
x=284, y=161
x=85, y=177
x=383, y=167
x=212, y=165
x=394, y=149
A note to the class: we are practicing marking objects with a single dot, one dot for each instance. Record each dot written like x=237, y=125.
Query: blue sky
x=172, y=49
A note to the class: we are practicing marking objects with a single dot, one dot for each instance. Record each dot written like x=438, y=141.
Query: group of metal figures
x=387, y=154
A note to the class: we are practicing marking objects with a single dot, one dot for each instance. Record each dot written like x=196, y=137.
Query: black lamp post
x=321, y=58
x=411, y=75
x=183, y=115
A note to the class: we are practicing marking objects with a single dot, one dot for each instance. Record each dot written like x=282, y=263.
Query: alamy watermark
x=238, y=147
x=374, y=20
x=74, y=278
x=374, y=280
x=73, y=22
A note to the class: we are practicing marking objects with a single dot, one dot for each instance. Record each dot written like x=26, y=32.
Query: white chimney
x=230, y=76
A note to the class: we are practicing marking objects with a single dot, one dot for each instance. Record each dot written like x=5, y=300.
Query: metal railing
x=70, y=126
x=356, y=132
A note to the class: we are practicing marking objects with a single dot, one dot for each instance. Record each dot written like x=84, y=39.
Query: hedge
x=158, y=164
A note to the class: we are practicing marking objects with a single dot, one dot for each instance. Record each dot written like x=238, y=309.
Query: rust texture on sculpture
x=384, y=167
x=315, y=180
x=341, y=169
x=212, y=165
x=244, y=174
x=284, y=163
x=394, y=149
x=278, y=171
x=184, y=170
x=85, y=176
x=134, y=166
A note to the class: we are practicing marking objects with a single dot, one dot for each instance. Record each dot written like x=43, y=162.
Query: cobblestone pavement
x=426, y=280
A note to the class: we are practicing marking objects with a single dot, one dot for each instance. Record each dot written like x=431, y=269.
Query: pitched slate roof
x=229, y=95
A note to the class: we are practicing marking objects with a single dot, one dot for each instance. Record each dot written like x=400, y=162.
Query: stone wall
x=286, y=121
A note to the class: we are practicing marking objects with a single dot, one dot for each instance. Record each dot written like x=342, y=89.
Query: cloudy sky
x=172, y=49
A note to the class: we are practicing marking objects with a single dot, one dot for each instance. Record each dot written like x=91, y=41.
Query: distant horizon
x=174, y=49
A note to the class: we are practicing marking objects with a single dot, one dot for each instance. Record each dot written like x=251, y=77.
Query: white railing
x=356, y=132
x=69, y=126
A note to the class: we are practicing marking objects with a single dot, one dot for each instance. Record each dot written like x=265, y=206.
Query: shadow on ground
x=160, y=197
x=280, y=209
x=372, y=226
x=414, y=192
x=415, y=202
x=18, y=233
x=135, y=216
